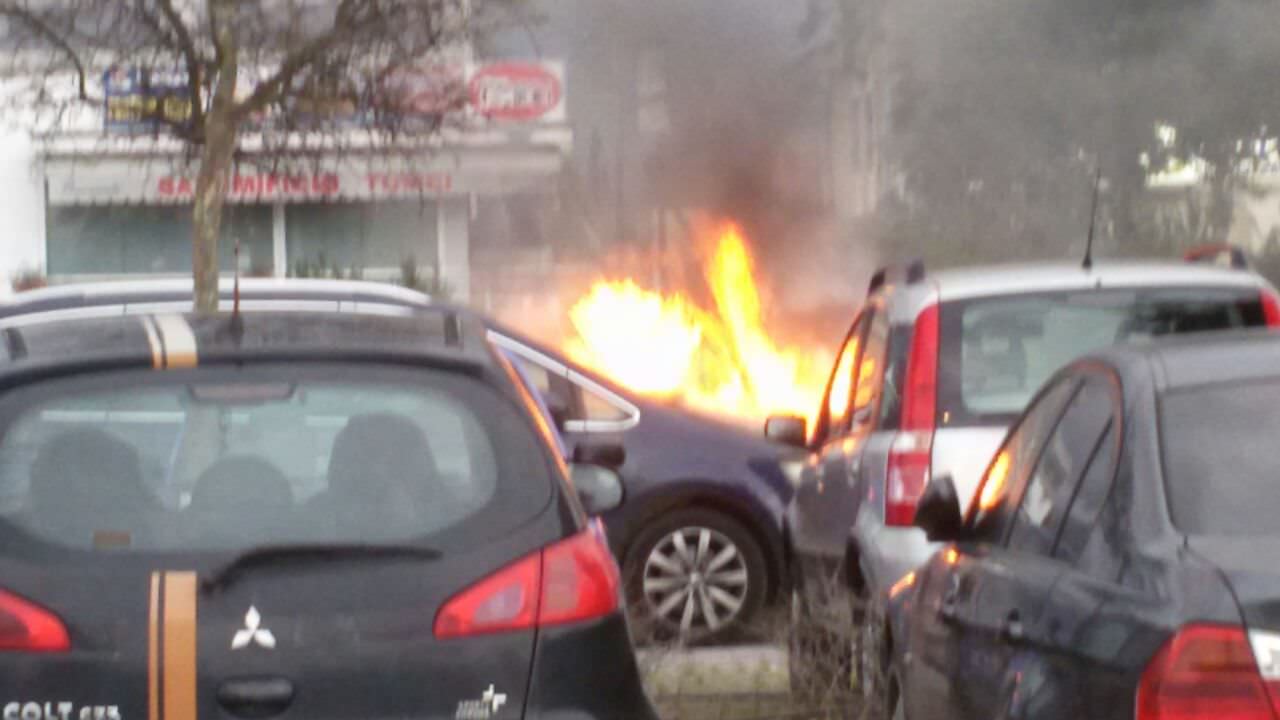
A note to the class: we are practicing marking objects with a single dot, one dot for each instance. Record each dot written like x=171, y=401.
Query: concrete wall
x=22, y=207
x=454, y=246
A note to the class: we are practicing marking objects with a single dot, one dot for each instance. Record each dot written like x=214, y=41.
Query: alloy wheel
x=695, y=581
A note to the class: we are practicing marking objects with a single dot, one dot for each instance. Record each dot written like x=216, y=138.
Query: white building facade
x=101, y=200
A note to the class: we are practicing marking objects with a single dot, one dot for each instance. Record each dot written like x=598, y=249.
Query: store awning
x=89, y=179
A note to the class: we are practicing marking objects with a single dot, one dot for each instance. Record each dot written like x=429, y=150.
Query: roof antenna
x=237, y=322
x=1093, y=218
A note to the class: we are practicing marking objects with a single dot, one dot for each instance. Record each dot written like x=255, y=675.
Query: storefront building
x=94, y=204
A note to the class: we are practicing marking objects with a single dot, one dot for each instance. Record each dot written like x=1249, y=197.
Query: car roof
x=1206, y=358
x=137, y=297
x=79, y=296
x=1018, y=278
x=447, y=336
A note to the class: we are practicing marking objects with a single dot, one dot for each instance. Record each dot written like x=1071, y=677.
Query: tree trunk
x=216, y=156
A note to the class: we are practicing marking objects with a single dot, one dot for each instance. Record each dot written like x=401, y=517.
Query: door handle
x=255, y=697
x=1012, y=632
x=950, y=599
x=948, y=611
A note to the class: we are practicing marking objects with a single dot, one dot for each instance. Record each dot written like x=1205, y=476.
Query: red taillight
x=1204, y=672
x=908, y=474
x=27, y=627
x=920, y=396
x=1271, y=308
x=912, y=450
x=571, y=581
x=579, y=581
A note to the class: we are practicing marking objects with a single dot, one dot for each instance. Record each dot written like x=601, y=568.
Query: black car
x=303, y=515
x=1119, y=560
x=699, y=532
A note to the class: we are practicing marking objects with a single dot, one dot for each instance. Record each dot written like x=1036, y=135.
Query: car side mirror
x=786, y=429
x=938, y=511
x=599, y=488
x=608, y=455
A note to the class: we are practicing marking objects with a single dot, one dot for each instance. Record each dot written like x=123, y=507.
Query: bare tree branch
x=188, y=48
x=327, y=82
x=41, y=28
x=346, y=26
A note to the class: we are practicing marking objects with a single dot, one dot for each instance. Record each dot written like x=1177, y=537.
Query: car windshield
x=1219, y=473
x=996, y=352
x=219, y=460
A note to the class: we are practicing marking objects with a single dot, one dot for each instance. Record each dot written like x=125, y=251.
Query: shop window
x=112, y=240
x=360, y=236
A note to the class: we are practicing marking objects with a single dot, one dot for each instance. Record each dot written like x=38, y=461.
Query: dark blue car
x=699, y=532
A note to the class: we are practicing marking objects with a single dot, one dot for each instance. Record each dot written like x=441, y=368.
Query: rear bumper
x=885, y=554
x=587, y=672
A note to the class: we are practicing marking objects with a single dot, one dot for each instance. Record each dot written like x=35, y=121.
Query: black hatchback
x=1122, y=556
x=304, y=515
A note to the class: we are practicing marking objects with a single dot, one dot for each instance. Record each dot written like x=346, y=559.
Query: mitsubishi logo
x=253, y=632
x=490, y=702
x=495, y=700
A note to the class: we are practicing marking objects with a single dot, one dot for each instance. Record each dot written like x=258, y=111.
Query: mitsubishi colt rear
x=308, y=516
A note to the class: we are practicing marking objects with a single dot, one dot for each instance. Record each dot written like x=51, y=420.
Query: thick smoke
x=1003, y=110
x=747, y=137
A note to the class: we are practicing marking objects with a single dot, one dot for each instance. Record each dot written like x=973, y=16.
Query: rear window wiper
x=227, y=573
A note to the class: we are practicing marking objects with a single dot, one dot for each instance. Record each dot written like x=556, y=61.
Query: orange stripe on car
x=153, y=650
x=179, y=644
x=179, y=341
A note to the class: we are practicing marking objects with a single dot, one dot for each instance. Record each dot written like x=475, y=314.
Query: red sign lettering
x=515, y=91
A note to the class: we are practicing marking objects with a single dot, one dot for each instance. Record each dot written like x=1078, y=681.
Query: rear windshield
x=227, y=459
x=1219, y=460
x=996, y=352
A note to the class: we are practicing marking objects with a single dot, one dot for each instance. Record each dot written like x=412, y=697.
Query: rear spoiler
x=1224, y=254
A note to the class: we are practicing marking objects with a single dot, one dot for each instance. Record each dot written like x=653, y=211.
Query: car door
x=949, y=667
x=840, y=492
x=819, y=524
x=866, y=419
x=1004, y=624
x=1095, y=631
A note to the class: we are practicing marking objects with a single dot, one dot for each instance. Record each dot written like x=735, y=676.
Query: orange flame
x=720, y=359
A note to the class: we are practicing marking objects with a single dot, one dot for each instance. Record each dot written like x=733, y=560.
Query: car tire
x=665, y=564
x=818, y=658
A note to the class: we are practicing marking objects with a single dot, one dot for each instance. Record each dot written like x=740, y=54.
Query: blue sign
x=138, y=101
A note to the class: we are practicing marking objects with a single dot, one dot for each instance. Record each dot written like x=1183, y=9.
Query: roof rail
x=912, y=273
x=1225, y=254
